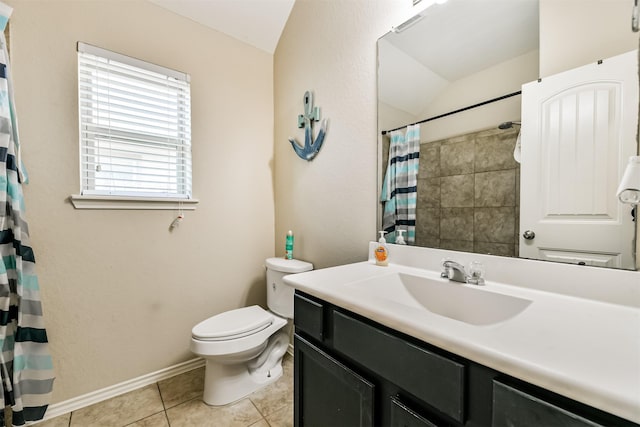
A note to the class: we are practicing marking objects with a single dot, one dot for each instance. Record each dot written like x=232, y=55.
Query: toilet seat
x=240, y=345
x=233, y=324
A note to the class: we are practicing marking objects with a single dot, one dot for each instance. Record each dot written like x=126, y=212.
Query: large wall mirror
x=527, y=112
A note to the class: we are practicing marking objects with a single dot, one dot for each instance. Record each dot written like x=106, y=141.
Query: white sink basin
x=445, y=298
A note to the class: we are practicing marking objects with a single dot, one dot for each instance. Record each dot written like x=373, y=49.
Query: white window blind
x=135, y=127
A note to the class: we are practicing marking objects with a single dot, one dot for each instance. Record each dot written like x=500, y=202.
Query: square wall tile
x=428, y=243
x=495, y=189
x=457, y=191
x=456, y=245
x=428, y=227
x=386, y=142
x=456, y=224
x=495, y=225
x=489, y=248
x=494, y=150
x=457, y=157
x=428, y=193
x=429, y=166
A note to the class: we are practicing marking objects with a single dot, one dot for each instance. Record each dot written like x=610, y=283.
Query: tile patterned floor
x=177, y=402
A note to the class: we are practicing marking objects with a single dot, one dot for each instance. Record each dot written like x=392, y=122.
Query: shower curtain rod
x=480, y=104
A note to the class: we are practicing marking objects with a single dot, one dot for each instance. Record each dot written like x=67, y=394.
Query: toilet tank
x=280, y=295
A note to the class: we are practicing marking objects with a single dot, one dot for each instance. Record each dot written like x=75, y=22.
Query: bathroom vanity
x=403, y=347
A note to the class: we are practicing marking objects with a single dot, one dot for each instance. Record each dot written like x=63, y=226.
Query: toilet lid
x=288, y=265
x=233, y=324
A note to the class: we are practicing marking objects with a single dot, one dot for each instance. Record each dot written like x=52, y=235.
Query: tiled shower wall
x=468, y=193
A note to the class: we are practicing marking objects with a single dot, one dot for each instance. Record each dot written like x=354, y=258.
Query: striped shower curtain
x=25, y=363
x=400, y=186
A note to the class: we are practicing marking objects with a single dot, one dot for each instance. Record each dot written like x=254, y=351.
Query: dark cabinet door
x=328, y=394
x=403, y=416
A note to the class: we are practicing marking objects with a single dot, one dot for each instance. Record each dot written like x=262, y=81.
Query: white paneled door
x=578, y=131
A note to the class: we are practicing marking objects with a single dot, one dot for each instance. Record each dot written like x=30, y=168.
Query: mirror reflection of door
x=578, y=131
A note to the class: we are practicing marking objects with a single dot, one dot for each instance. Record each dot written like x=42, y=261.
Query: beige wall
x=390, y=117
x=577, y=32
x=329, y=47
x=120, y=292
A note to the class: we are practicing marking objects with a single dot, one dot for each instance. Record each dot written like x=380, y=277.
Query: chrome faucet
x=455, y=271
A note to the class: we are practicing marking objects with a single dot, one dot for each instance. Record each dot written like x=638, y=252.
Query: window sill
x=139, y=203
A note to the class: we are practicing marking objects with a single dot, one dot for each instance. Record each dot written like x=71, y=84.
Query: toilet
x=243, y=348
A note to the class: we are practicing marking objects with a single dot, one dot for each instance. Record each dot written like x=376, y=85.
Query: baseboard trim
x=88, y=399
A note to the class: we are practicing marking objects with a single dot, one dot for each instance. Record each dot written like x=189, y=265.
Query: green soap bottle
x=289, y=245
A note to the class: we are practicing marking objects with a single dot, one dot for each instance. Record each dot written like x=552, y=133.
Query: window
x=135, y=127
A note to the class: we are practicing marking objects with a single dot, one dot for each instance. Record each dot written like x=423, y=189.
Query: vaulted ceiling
x=256, y=22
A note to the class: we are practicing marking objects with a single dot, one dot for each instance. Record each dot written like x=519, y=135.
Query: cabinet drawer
x=403, y=416
x=308, y=316
x=512, y=407
x=432, y=378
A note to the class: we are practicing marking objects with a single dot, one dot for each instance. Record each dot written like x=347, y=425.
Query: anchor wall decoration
x=311, y=114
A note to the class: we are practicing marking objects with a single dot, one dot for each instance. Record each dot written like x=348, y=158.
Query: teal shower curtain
x=25, y=363
x=400, y=186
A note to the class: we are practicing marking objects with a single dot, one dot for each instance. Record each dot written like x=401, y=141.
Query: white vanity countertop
x=585, y=349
